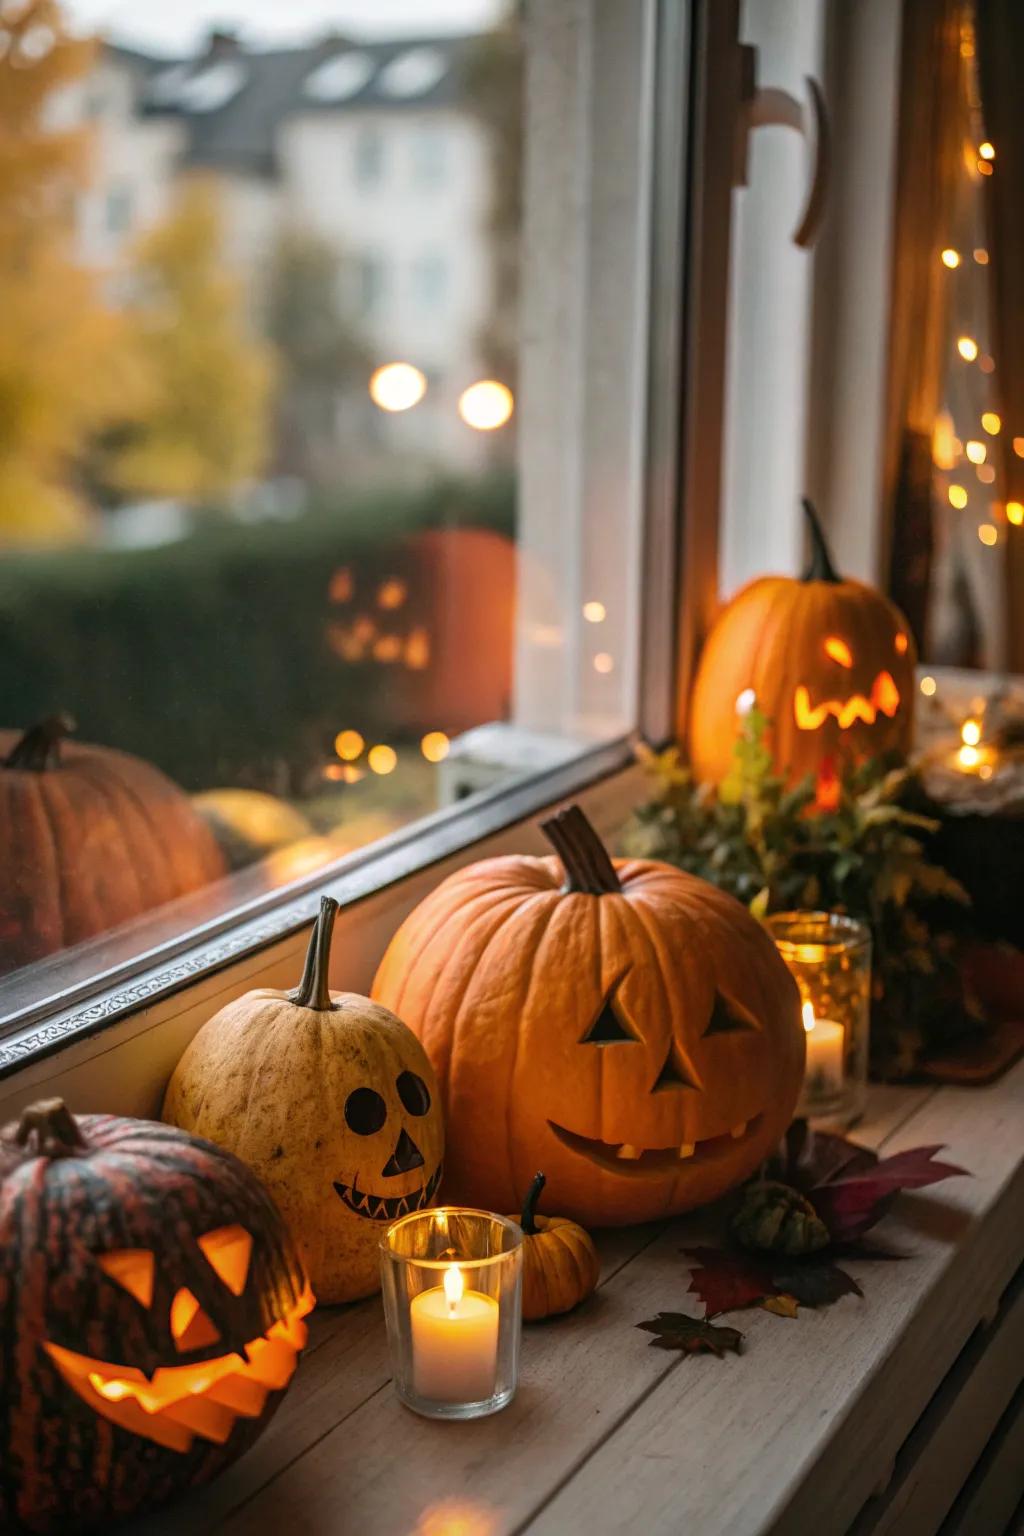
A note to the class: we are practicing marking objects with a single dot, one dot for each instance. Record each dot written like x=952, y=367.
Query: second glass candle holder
x=452, y=1282
x=829, y=956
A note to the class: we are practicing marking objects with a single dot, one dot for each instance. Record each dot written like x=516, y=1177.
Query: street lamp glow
x=397, y=387
x=486, y=405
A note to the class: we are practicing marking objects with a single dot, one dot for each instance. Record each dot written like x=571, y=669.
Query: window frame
x=678, y=457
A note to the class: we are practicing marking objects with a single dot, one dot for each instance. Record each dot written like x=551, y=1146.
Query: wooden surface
x=868, y=1416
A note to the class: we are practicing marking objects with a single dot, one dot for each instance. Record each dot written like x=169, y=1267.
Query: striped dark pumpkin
x=150, y=1316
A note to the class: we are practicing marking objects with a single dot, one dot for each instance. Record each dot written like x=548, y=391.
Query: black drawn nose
x=404, y=1158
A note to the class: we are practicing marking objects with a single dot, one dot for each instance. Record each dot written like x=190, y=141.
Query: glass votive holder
x=452, y=1282
x=829, y=956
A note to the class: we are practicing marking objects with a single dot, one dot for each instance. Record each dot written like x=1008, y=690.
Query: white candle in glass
x=823, y=1074
x=454, y=1341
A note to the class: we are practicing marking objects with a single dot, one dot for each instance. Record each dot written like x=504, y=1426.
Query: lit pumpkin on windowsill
x=627, y=1027
x=829, y=661
x=151, y=1306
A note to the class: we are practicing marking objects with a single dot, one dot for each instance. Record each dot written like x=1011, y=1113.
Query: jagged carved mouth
x=175, y=1403
x=622, y=1158
x=388, y=1207
x=884, y=699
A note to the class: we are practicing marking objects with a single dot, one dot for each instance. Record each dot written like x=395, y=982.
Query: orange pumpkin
x=627, y=1027
x=830, y=662
x=91, y=839
x=561, y=1266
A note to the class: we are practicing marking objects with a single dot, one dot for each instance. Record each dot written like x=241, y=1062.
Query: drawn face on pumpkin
x=216, y=1371
x=390, y=1177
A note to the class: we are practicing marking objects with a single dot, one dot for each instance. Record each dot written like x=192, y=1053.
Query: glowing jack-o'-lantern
x=331, y=1100
x=151, y=1306
x=830, y=662
x=625, y=1025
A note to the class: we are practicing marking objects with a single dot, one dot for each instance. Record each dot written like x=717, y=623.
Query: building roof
x=234, y=100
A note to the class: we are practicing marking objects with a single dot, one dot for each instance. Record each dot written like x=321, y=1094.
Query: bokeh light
x=967, y=347
x=950, y=258
x=594, y=612
x=382, y=759
x=486, y=405
x=928, y=687
x=349, y=745
x=1015, y=513
x=957, y=496
x=397, y=386
x=435, y=746
x=603, y=663
x=991, y=421
x=988, y=533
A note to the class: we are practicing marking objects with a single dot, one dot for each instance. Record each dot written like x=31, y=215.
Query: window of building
x=429, y=156
x=430, y=281
x=371, y=284
x=369, y=156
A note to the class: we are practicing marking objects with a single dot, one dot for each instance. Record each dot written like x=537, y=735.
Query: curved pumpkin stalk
x=314, y=990
x=587, y=862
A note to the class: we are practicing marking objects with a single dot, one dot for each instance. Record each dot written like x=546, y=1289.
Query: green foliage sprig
x=756, y=837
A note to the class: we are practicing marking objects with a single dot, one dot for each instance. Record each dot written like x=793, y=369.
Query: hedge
x=211, y=656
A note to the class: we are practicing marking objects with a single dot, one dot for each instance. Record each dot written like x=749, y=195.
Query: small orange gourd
x=560, y=1263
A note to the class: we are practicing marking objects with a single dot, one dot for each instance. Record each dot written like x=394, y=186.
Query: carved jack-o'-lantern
x=625, y=1025
x=830, y=662
x=331, y=1100
x=151, y=1306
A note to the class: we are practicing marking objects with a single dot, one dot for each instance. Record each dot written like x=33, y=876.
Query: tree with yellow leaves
x=202, y=427
x=61, y=360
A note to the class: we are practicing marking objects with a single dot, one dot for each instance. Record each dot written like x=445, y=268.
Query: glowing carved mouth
x=179, y=1402
x=388, y=1207
x=624, y=1159
x=884, y=700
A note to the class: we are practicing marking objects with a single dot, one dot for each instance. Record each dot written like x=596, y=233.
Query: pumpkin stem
x=314, y=991
x=820, y=567
x=39, y=748
x=50, y=1129
x=528, y=1221
x=588, y=866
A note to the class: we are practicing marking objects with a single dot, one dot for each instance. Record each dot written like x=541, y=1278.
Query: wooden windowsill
x=801, y=1433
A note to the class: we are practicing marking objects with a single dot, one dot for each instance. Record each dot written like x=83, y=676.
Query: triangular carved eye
x=228, y=1251
x=725, y=1019
x=133, y=1269
x=673, y=1074
x=608, y=1028
x=190, y=1326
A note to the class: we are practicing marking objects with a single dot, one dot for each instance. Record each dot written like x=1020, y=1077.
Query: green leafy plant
x=762, y=840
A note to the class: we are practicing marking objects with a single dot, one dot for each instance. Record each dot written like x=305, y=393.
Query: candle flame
x=453, y=1286
x=809, y=1019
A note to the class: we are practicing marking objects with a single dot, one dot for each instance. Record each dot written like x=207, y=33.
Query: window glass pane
x=297, y=544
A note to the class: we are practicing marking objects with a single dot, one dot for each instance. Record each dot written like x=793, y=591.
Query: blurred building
x=373, y=148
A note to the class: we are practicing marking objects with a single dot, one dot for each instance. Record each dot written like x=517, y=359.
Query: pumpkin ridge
x=429, y=931
x=499, y=921
x=184, y=857
x=127, y=860
x=46, y=821
x=545, y=918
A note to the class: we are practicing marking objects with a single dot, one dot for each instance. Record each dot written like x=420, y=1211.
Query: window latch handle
x=768, y=106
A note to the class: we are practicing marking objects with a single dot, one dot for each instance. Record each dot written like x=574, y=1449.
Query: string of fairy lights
x=968, y=431
x=965, y=438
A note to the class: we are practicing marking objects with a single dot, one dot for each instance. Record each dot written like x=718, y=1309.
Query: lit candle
x=823, y=1075
x=454, y=1341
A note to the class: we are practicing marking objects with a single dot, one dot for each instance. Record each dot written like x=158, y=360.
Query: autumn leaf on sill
x=692, y=1335
x=728, y=1282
